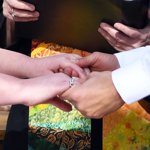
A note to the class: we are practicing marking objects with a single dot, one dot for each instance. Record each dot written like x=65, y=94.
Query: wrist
x=10, y=95
x=25, y=93
x=33, y=68
x=118, y=100
x=115, y=62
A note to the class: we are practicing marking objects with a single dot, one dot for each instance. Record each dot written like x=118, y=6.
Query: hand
x=95, y=97
x=18, y=10
x=98, y=61
x=58, y=63
x=122, y=37
x=45, y=89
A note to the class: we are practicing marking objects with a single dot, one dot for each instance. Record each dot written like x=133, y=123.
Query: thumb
x=86, y=61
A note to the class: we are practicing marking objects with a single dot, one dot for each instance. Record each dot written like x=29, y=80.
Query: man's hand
x=18, y=10
x=123, y=37
x=95, y=97
x=98, y=61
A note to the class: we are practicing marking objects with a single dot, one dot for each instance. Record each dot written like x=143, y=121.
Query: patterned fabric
x=68, y=131
x=127, y=129
x=70, y=140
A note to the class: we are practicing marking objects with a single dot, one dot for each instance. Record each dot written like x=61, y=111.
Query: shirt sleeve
x=132, y=81
x=129, y=57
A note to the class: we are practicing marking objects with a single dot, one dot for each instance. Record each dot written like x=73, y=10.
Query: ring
x=12, y=13
x=71, y=82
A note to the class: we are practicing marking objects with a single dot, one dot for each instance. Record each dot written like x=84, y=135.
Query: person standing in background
x=21, y=11
x=2, y=28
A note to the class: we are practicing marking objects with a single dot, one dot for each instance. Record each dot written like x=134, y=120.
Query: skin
x=98, y=61
x=96, y=96
x=38, y=80
x=34, y=91
x=22, y=66
x=23, y=11
x=119, y=36
x=123, y=37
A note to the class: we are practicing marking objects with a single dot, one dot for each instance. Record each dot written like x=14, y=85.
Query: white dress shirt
x=132, y=79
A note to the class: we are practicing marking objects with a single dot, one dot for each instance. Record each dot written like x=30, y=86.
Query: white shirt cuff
x=128, y=57
x=133, y=81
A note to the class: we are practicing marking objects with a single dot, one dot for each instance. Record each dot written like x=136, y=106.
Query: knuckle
x=135, y=35
x=95, y=54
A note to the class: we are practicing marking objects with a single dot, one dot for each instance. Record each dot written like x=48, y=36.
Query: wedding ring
x=71, y=82
x=13, y=13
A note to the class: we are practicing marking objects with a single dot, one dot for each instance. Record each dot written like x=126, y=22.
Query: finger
x=129, y=31
x=73, y=57
x=69, y=71
x=123, y=47
x=116, y=35
x=63, y=105
x=111, y=40
x=25, y=14
x=21, y=5
x=109, y=29
x=18, y=19
x=86, y=61
x=87, y=71
x=7, y=11
x=76, y=68
x=74, y=74
x=119, y=43
x=120, y=46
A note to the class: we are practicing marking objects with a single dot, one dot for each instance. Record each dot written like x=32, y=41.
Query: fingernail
x=32, y=7
x=99, y=30
x=37, y=14
x=103, y=24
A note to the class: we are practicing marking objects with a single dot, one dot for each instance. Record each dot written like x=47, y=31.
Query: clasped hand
x=93, y=94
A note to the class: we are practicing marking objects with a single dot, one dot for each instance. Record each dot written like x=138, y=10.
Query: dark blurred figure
x=2, y=27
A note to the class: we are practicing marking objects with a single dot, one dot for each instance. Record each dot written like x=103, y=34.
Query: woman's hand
x=45, y=89
x=122, y=37
x=33, y=91
x=26, y=67
x=18, y=10
x=58, y=63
